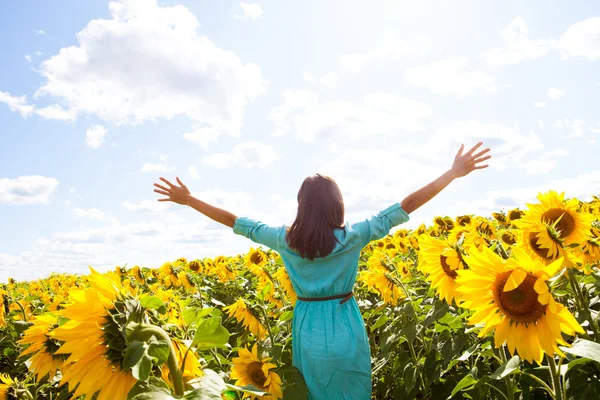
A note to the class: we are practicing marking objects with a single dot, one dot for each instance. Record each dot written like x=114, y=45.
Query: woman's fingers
x=468, y=153
x=481, y=153
x=481, y=166
x=162, y=192
x=480, y=159
x=180, y=183
x=167, y=182
x=161, y=187
x=165, y=200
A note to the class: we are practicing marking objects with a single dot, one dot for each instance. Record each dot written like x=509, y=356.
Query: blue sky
x=243, y=100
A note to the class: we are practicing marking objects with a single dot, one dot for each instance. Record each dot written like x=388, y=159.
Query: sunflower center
x=390, y=246
x=544, y=253
x=256, y=258
x=520, y=304
x=485, y=229
x=449, y=271
x=508, y=238
x=565, y=226
x=256, y=373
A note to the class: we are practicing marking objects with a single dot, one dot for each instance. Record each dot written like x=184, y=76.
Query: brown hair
x=320, y=211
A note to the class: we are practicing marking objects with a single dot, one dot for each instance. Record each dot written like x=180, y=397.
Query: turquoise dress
x=330, y=346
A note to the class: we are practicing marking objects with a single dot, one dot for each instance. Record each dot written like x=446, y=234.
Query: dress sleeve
x=258, y=232
x=379, y=225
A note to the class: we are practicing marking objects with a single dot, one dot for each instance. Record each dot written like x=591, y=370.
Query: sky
x=243, y=100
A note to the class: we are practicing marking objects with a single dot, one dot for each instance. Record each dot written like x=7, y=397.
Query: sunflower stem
x=145, y=332
x=498, y=390
x=583, y=304
x=262, y=308
x=22, y=311
x=508, y=379
x=555, y=376
x=543, y=384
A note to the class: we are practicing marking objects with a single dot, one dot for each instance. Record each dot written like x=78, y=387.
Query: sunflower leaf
x=506, y=369
x=465, y=383
x=210, y=334
x=296, y=388
x=153, y=389
x=248, y=389
x=584, y=348
x=138, y=360
x=192, y=315
x=207, y=387
x=152, y=302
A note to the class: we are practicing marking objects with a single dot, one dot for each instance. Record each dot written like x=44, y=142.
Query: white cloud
x=34, y=189
x=94, y=136
x=555, y=93
x=150, y=167
x=539, y=104
x=247, y=155
x=40, y=32
x=28, y=58
x=581, y=40
x=380, y=114
x=541, y=123
x=391, y=48
x=545, y=163
x=67, y=203
x=519, y=47
x=56, y=112
x=162, y=68
x=18, y=104
x=330, y=80
x=251, y=11
x=308, y=77
x=91, y=213
x=449, y=76
x=595, y=130
x=203, y=136
x=575, y=127
x=193, y=171
x=146, y=205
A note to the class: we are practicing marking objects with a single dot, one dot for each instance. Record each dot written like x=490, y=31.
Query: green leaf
x=380, y=322
x=229, y=395
x=266, y=289
x=584, y=348
x=296, y=388
x=436, y=314
x=207, y=387
x=159, y=351
x=153, y=389
x=210, y=334
x=507, y=369
x=140, y=357
x=152, y=302
x=194, y=314
x=21, y=326
x=286, y=316
x=248, y=389
x=465, y=383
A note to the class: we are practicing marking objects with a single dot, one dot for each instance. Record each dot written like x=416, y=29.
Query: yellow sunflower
x=458, y=233
x=44, y=361
x=240, y=311
x=380, y=281
x=512, y=297
x=441, y=262
x=543, y=245
x=250, y=369
x=256, y=258
x=590, y=250
x=3, y=307
x=284, y=280
x=189, y=371
x=6, y=382
x=90, y=338
x=554, y=211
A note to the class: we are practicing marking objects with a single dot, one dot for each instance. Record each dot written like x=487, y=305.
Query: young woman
x=320, y=251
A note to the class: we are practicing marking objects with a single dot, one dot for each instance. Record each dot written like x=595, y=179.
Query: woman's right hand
x=466, y=163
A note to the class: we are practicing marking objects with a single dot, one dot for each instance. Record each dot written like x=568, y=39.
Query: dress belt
x=344, y=297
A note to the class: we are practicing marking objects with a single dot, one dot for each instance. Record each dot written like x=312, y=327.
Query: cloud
x=554, y=93
x=203, y=136
x=28, y=58
x=541, y=123
x=193, y=171
x=595, y=130
x=22, y=106
x=519, y=47
x=308, y=77
x=247, y=155
x=581, y=40
x=391, y=48
x=40, y=32
x=545, y=163
x=251, y=11
x=379, y=114
x=575, y=127
x=539, y=104
x=146, y=205
x=450, y=76
x=34, y=189
x=94, y=136
x=330, y=80
x=149, y=167
x=17, y=104
x=91, y=213
x=148, y=62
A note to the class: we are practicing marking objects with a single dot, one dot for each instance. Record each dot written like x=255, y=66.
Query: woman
x=330, y=346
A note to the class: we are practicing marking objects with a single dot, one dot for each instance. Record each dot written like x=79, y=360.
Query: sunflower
x=93, y=341
x=380, y=281
x=440, y=261
x=513, y=215
x=590, y=250
x=189, y=371
x=186, y=282
x=240, y=311
x=44, y=361
x=508, y=237
x=3, y=307
x=561, y=215
x=458, y=233
x=6, y=383
x=463, y=220
x=136, y=273
x=284, y=280
x=250, y=369
x=543, y=245
x=168, y=274
x=194, y=266
x=512, y=297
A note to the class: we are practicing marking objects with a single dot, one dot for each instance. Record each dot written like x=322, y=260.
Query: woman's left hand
x=177, y=194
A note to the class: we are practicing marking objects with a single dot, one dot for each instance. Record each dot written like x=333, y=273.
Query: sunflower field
x=471, y=307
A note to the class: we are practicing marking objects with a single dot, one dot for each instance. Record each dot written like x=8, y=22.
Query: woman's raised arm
x=181, y=195
x=463, y=165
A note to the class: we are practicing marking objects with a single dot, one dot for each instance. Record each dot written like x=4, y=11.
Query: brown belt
x=344, y=297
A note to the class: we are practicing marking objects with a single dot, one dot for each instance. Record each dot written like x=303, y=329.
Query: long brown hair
x=320, y=211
